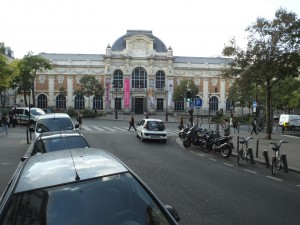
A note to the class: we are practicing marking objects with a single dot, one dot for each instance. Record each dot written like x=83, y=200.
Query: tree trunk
x=25, y=98
x=268, y=111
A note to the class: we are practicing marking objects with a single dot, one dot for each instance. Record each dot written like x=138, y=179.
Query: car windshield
x=60, y=143
x=54, y=124
x=156, y=125
x=113, y=200
x=37, y=112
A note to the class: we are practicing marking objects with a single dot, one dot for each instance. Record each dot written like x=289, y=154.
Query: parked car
x=53, y=122
x=59, y=140
x=151, y=129
x=80, y=186
x=22, y=115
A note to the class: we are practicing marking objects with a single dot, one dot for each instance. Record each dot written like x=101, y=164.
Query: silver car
x=80, y=186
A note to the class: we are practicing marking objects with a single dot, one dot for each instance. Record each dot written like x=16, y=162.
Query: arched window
x=160, y=79
x=42, y=101
x=79, y=102
x=214, y=103
x=98, y=102
x=139, y=78
x=229, y=104
x=118, y=79
x=61, y=101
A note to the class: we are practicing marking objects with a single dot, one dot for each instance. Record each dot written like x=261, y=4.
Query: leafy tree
x=89, y=86
x=272, y=54
x=34, y=63
x=181, y=89
x=5, y=73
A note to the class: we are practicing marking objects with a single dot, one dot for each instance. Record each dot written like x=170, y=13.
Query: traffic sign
x=254, y=104
x=198, y=102
x=192, y=105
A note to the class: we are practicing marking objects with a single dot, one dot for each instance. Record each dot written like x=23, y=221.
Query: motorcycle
x=193, y=136
x=214, y=142
x=183, y=132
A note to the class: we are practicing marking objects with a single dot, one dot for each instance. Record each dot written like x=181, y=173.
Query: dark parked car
x=59, y=140
x=80, y=186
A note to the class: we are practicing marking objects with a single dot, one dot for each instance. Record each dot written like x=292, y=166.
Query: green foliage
x=272, y=55
x=89, y=86
x=5, y=73
x=181, y=89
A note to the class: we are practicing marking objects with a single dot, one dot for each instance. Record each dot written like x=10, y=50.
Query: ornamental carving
x=60, y=79
x=42, y=79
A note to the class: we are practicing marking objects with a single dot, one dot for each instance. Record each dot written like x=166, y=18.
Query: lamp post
x=209, y=110
x=116, y=86
x=167, y=91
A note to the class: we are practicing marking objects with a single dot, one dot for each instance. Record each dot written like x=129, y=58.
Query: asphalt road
x=204, y=188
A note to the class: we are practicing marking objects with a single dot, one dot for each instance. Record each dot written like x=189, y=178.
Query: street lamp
x=209, y=109
x=167, y=91
x=116, y=86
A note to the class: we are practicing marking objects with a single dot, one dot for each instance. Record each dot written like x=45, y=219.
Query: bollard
x=251, y=155
x=30, y=135
x=265, y=154
x=284, y=162
x=237, y=144
x=257, y=144
x=27, y=136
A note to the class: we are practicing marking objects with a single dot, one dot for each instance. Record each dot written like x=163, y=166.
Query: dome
x=120, y=43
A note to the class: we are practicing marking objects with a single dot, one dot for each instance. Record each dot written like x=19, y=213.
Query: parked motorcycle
x=183, y=132
x=193, y=136
x=214, y=142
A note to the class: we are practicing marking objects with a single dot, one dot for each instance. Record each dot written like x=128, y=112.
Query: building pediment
x=139, y=45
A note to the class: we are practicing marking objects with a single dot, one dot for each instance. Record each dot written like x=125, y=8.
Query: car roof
x=62, y=133
x=54, y=115
x=158, y=120
x=66, y=166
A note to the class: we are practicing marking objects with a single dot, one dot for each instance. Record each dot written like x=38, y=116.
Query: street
x=204, y=188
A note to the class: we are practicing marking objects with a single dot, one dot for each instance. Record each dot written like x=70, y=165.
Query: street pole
x=209, y=110
x=166, y=105
x=116, y=110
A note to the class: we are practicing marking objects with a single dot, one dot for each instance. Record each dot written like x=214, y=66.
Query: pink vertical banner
x=126, y=93
x=107, y=93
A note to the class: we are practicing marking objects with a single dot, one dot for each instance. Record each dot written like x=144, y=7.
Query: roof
x=72, y=57
x=54, y=115
x=57, y=134
x=55, y=168
x=120, y=43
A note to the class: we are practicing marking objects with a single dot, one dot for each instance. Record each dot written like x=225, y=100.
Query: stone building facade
x=138, y=73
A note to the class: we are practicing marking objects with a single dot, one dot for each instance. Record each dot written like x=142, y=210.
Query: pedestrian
x=253, y=126
x=131, y=123
x=79, y=118
x=4, y=121
x=226, y=127
x=236, y=126
x=180, y=126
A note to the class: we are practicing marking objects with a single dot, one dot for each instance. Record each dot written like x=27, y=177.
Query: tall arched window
x=160, y=79
x=139, y=78
x=98, y=102
x=79, y=102
x=118, y=79
x=42, y=101
x=214, y=103
x=229, y=104
x=61, y=101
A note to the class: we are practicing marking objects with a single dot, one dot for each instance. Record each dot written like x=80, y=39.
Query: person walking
x=4, y=121
x=131, y=123
x=226, y=127
x=180, y=126
x=236, y=126
x=254, y=127
x=79, y=118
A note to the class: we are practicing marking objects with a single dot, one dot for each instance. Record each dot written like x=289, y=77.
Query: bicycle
x=276, y=157
x=243, y=152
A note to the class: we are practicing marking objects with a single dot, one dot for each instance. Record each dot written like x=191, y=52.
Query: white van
x=22, y=114
x=292, y=120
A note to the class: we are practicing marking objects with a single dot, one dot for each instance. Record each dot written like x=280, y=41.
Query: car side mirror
x=173, y=212
x=138, y=123
x=76, y=125
x=23, y=159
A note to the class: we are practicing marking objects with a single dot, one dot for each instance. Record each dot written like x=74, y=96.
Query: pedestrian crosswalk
x=115, y=129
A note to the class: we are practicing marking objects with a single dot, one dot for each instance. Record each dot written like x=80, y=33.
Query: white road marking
x=274, y=178
x=251, y=171
x=109, y=129
x=227, y=164
x=213, y=159
x=97, y=128
x=5, y=163
x=86, y=128
x=121, y=129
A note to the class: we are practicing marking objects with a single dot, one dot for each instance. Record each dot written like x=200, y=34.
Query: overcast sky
x=190, y=27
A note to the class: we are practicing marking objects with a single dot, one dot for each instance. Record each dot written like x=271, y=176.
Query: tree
x=89, y=86
x=33, y=63
x=181, y=90
x=5, y=73
x=272, y=54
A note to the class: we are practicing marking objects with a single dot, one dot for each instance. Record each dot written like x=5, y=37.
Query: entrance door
x=138, y=105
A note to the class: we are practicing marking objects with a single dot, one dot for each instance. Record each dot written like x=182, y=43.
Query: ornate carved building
x=138, y=73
